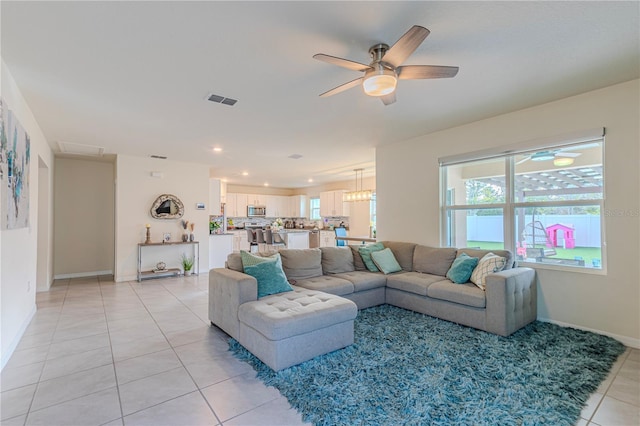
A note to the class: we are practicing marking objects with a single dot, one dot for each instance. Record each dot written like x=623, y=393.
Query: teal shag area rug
x=407, y=368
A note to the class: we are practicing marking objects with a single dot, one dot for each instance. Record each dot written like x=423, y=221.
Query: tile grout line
x=623, y=359
x=176, y=354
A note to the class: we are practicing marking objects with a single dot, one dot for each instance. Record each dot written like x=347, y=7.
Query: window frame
x=510, y=205
x=312, y=209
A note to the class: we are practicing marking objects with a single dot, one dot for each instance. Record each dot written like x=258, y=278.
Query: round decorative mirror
x=167, y=206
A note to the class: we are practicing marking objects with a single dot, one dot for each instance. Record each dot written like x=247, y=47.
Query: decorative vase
x=185, y=237
x=192, y=237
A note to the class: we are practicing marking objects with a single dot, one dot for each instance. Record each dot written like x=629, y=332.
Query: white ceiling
x=132, y=77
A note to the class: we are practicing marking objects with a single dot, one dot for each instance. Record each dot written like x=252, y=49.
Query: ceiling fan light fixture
x=379, y=81
x=543, y=156
x=562, y=161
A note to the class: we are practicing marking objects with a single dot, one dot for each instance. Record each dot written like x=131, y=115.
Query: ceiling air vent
x=295, y=156
x=221, y=99
x=80, y=149
x=159, y=157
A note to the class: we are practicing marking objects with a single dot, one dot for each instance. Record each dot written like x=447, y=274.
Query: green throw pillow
x=268, y=272
x=461, y=269
x=365, y=253
x=386, y=261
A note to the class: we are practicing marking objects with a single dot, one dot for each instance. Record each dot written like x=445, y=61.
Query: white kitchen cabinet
x=297, y=240
x=240, y=240
x=331, y=204
x=220, y=246
x=277, y=206
x=230, y=207
x=297, y=206
x=215, y=194
x=327, y=238
x=256, y=199
x=241, y=205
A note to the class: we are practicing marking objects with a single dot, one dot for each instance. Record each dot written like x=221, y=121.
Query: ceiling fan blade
x=345, y=63
x=524, y=160
x=388, y=99
x=568, y=154
x=405, y=46
x=415, y=72
x=342, y=87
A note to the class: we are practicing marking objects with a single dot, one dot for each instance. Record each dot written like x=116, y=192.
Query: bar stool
x=341, y=232
x=273, y=240
x=251, y=237
x=260, y=239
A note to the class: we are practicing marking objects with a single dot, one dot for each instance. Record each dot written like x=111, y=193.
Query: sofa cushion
x=336, y=260
x=298, y=312
x=299, y=264
x=357, y=259
x=464, y=294
x=433, y=260
x=234, y=260
x=489, y=264
x=461, y=269
x=327, y=283
x=481, y=253
x=362, y=280
x=403, y=253
x=386, y=261
x=365, y=252
x=413, y=282
x=269, y=275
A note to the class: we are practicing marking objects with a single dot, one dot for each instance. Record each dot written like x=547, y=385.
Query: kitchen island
x=295, y=238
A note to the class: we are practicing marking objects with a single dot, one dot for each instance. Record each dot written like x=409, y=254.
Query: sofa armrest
x=228, y=289
x=511, y=300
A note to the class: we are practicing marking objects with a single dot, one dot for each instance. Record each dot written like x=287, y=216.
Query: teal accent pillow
x=365, y=253
x=386, y=261
x=249, y=259
x=269, y=274
x=461, y=269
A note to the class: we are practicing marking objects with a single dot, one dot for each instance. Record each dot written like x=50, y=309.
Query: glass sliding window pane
x=477, y=182
x=478, y=228
x=566, y=235
x=566, y=173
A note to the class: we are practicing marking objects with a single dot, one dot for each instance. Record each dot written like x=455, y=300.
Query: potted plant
x=187, y=264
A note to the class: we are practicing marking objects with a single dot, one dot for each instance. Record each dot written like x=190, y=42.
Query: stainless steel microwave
x=253, y=211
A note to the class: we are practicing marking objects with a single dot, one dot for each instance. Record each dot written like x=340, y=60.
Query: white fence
x=586, y=228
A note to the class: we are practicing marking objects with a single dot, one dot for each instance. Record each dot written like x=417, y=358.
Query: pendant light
x=359, y=194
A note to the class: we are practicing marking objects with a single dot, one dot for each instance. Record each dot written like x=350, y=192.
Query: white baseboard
x=82, y=274
x=14, y=343
x=625, y=340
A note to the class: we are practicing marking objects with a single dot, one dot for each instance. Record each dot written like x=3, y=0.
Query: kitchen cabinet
x=331, y=204
x=231, y=206
x=215, y=193
x=277, y=206
x=327, y=239
x=240, y=240
x=256, y=199
x=241, y=205
x=297, y=206
x=297, y=240
x=220, y=246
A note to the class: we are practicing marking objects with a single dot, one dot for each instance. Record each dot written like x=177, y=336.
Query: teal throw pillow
x=269, y=274
x=386, y=261
x=365, y=253
x=461, y=269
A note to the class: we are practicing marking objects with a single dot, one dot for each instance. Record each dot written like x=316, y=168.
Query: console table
x=168, y=272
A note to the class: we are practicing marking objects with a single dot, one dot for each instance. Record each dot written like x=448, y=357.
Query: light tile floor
x=105, y=353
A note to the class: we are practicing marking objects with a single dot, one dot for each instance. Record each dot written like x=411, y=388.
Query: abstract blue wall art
x=15, y=154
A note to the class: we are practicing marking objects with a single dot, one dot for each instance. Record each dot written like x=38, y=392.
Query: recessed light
x=309, y=180
x=245, y=173
x=217, y=149
x=266, y=184
x=224, y=179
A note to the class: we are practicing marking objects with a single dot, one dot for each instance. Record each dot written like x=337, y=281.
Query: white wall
x=19, y=247
x=408, y=192
x=84, y=217
x=136, y=191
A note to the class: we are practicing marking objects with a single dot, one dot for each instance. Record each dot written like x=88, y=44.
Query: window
x=373, y=215
x=314, y=209
x=544, y=204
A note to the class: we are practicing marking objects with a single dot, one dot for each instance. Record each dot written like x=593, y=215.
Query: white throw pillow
x=489, y=264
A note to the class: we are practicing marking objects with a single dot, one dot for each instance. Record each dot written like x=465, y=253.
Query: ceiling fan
x=556, y=154
x=381, y=75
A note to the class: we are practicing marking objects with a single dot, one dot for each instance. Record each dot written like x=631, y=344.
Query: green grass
x=586, y=253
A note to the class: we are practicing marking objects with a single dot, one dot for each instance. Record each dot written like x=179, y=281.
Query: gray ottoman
x=289, y=328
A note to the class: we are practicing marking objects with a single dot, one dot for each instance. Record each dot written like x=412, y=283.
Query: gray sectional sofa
x=331, y=283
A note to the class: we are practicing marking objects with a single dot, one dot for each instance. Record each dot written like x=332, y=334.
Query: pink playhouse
x=567, y=234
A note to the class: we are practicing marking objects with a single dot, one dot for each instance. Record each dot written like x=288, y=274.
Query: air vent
x=295, y=156
x=159, y=157
x=221, y=99
x=80, y=149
